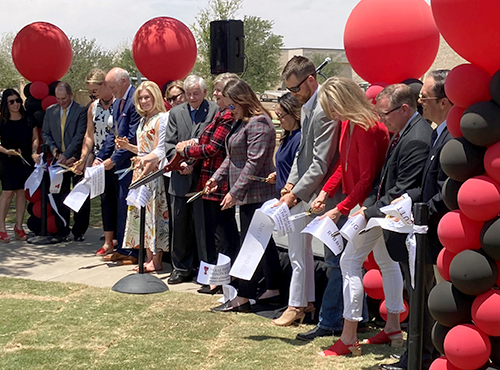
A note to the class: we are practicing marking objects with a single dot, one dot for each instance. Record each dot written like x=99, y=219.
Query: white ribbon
x=327, y=231
x=218, y=274
x=35, y=179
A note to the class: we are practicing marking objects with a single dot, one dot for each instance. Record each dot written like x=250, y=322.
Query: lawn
x=62, y=326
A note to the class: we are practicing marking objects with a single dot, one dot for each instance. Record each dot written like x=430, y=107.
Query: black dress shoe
x=245, y=307
x=176, y=277
x=221, y=307
x=315, y=333
x=395, y=366
x=205, y=289
x=78, y=238
x=396, y=356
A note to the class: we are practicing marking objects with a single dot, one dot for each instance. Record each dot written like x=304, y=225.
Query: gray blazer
x=180, y=127
x=318, y=152
x=74, y=131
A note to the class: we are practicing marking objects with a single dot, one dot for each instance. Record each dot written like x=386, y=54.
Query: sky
x=113, y=23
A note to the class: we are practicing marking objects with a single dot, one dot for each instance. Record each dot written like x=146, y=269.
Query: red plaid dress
x=212, y=149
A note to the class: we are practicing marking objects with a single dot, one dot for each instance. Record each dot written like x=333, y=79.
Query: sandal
x=105, y=249
x=20, y=234
x=4, y=237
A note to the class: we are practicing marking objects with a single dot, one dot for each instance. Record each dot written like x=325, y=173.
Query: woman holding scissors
x=18, y=151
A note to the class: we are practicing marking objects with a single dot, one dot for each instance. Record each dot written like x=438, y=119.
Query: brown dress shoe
x=127, y=260
x=113, y=257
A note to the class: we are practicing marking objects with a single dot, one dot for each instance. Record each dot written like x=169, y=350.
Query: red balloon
x=39, y=90
x=37, y=209
x=479, y=198
x=466, y=347
x=391, y=40
x=443, y=263
x=370, y=263
x=457, y=232
x=486, y=313
x=492, y=161
x=164, y=49
x=383, y=311
x=51, y=224
x=372, y=282
x=442, y=363
x=48, y=101
x=42, y=52
x=372, y=92
x=467, y=84
x=36, y=197
x=453, y=121
x=471, y=29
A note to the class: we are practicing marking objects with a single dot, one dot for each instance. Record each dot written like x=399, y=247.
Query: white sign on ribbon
x=35, y=179
x=352, y=227
x=218, y=274
x=56, y=179
x=389, y=224
x=327, y=231
x=254, y=245
x=96, y=178
x=400, y=210
x=138, y=197
x=280, y=215
x=78, y=195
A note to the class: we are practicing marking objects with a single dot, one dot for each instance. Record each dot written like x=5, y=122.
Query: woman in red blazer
x=363, y=146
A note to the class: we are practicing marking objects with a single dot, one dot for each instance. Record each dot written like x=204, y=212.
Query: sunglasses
x=174, y=98
x=280, y=116
x=18, y=100
x=296, y=89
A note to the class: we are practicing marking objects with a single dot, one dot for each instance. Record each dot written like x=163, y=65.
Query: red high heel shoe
x=340, y=349
x=395, y=339
x=20, y=234
x=4, y=237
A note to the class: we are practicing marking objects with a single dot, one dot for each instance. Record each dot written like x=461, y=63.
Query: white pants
x=351, y=264
x=302, y=261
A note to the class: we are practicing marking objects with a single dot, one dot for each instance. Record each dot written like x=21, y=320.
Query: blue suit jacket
x=127, y=123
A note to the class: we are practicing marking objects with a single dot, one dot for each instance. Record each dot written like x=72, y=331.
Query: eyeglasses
x=423, y=97
x=296, y=89
x=17, y=100
x=93, y=92
x=280, y=116
x=384, y=115
x=174, y=98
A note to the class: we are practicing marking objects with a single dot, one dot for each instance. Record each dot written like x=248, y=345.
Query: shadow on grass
x=261, y=338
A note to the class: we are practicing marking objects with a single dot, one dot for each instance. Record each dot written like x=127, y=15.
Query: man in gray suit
x=186, y=122
x=64, y=127
x=313, y=165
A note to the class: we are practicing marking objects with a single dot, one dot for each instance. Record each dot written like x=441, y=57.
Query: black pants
x=269, y=267
x=109, y=202
x=221, y=231
x=188, y=239
x=81, y=218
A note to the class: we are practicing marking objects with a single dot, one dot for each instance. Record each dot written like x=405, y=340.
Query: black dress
x=15, y=135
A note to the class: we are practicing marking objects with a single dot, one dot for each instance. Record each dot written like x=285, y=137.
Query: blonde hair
x=341, y=98
x=155, y=92
x=177, y=83
x=96, y=76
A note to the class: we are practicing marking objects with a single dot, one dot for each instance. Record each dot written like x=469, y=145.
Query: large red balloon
x=402, y=317
x=492, y=161
x=39, y=90
x=42, y=52
x=443, y=263
x=372, y=282
x=457, y=232
x=164, y=49
x=471, y=29
x=467, y=84
x=453, y=121
x=391, y=40
x=486, y=312
x=479, y=198
x=466, y=347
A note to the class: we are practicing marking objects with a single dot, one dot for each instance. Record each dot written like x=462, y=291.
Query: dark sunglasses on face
x=17, y=100
x=296, y=89
x=174, y=98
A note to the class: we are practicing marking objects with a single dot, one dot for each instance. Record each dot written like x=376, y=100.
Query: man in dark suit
x=186, y=122
x=435, y=108
x=64, y=127
x=126, y=119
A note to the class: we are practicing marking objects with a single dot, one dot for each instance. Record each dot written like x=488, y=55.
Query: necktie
x=122, y=103
x=63, y=124
x=193, y=114
x=394, y=143
x=433, y=137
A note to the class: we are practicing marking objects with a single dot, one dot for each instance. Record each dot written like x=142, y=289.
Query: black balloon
x=480, y=123
x=495, y=87
x=415, y=86
x=52, y=88
x=462, y=160
x=26, y=90
x=450, y=193
x=38, y=116
x=448, y=306
x=34, y=224
x=490, y=238
x=495, y=350
x=472, y=272
x=438, y=333
x=32, y=105
x=29, y=208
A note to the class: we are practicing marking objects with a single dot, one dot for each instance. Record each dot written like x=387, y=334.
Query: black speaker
x=227, y=46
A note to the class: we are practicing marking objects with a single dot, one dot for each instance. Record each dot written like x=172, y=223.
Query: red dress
x=362, y=155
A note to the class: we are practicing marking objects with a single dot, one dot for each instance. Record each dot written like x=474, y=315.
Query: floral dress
x=156, y=230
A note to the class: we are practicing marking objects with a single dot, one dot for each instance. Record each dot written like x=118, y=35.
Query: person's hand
x=79, y=167
x=228, y=202
x=396, y=200
x=318, y=205
x=11, y=152
x=271, y=179
x=121, y=143
x=36, y=158
x=179, y=147
x=289, y=198
x=334, y=214
x=70, y=162
x=61, y=159
x=360, y=211
x=287, y=188
x=210, y=186
x=108, y=164
x=186, y=169
x=96, y=162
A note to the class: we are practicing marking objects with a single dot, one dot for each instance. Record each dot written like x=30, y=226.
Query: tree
x=9, y=76
x=125, y=60
x=331, y=69
x=262, y=47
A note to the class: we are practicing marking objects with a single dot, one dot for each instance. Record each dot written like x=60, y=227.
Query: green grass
x=62, y=326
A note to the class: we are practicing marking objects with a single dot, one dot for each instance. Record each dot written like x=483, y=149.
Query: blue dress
x=284, y=159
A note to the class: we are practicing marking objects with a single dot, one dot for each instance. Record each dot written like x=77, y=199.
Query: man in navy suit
x=435, y=108
x=186, y=122
x=64, y=127
x=126, y=119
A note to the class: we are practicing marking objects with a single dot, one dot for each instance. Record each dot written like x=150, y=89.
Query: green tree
x=9, y=76
x=262, y=47
x=331, y=69
x=125, y=60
